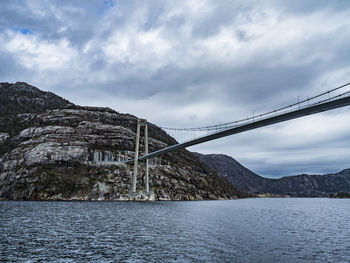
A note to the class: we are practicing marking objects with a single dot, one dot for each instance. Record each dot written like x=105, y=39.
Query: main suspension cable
x=230, y=124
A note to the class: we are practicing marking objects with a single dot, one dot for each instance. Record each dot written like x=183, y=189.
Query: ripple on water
x=250, y=230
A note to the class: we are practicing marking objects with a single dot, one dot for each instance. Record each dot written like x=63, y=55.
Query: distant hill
x=234, y=172
x=297, y=186
x=49, y=148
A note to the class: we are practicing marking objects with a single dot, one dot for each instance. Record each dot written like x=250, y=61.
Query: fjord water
x=247, y=230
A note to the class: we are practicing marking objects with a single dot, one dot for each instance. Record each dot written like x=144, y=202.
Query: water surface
x=249, y=230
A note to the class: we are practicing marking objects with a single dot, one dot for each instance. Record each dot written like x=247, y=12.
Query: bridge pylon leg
x=136, y=155
x=146, y=152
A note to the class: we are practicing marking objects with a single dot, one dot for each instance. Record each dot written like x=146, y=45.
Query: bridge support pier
x=136, y=155
x=146, y=152
x=137, y=146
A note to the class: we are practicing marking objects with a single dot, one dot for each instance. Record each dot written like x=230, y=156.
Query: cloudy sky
x=185, y=63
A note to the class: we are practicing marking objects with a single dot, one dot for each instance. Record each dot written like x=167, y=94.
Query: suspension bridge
x=325, y=101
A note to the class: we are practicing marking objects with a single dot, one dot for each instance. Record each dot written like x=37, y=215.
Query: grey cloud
x=254, y=83
x=226, y=13
x=60, y=19
x=10, y=69
x=15, y=14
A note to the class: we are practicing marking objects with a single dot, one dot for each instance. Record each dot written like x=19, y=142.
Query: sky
x=189, y=63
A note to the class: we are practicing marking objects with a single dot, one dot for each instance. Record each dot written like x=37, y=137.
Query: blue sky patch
x=26, y=31
x=107, y=4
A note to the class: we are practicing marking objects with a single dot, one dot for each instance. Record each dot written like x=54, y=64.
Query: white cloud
x=37, y=54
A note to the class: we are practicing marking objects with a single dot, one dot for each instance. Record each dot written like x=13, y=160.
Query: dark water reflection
x=251, y=230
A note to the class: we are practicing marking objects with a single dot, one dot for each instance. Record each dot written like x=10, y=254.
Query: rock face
x=51, y=149
x=3, y=137
x=297, y=186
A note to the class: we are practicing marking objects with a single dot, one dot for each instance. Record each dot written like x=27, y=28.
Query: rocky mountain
x=234, y=172
x=297, y=186
x=50, y=149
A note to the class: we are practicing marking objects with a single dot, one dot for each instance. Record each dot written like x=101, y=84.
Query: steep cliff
x=50, y=149
x=297, y=186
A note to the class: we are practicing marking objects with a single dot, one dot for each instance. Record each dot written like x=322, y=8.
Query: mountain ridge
x=304, y=185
